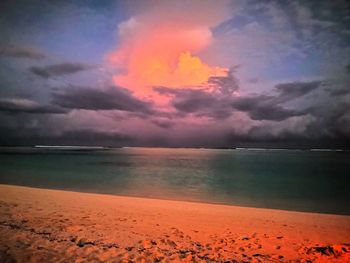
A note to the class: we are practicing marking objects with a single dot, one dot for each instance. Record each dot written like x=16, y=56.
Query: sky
x=175, y=73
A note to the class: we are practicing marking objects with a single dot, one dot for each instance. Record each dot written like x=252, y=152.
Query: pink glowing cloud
x=160, y=47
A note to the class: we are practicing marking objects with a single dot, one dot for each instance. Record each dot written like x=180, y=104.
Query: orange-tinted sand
x=39, y=225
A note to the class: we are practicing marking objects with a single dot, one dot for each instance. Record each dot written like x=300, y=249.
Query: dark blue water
x=292, y=180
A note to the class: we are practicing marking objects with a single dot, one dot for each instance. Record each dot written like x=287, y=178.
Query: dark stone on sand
x=153, y=242
x=44, y=232
x=129, y=248
x=327, y=250
x=83, y=242
x=110, y=245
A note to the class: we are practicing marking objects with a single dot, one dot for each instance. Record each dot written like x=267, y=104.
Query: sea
x=297, y=180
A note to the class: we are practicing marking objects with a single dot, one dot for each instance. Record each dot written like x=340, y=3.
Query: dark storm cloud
x=326, y=127
x=339, y=91
x=113, y=98
x=198, y=102
x=220, y=105
x=260, y=108
x=261, y=137
x=189, y=100
x=290, y=91
x=84, y=137
x=218, y=113
x=347, y=68
x=59, y=69
x=267, y=107
x=21, y=52
x=90, y=137
x=330, y=121
x=28, y=106
x=249, y=103
x=225, y=84
x=193, y=101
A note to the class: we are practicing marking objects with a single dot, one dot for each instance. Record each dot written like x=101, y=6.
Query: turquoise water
x=292, y=180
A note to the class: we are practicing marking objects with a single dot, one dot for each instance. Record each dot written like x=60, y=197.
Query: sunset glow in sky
x=175, y=73
x=156, y=49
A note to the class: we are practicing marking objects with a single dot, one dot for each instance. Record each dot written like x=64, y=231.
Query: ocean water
x=284, y=179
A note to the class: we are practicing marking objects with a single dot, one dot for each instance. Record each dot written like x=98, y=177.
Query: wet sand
x=40, y=225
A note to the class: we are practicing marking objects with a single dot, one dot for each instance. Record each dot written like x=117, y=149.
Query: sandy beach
x=40, y=225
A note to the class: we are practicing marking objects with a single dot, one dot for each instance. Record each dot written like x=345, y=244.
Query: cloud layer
x=111, y=98
x=14, y=105
x=59, y=69
x=168, y=73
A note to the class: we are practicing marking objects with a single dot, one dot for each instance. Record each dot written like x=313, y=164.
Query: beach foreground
x=39, y=225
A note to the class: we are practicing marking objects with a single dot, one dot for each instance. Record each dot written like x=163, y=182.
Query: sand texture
x=39, y=225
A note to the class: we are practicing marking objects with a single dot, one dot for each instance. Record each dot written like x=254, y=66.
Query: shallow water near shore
x=283, y=179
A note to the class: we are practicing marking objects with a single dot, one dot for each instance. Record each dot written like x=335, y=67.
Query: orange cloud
x=156, y=50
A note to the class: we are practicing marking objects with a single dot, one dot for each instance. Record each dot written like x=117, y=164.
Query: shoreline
x=39, y=224
x=180, y=200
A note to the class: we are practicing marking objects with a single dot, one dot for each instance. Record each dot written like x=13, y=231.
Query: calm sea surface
x=292, y=180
